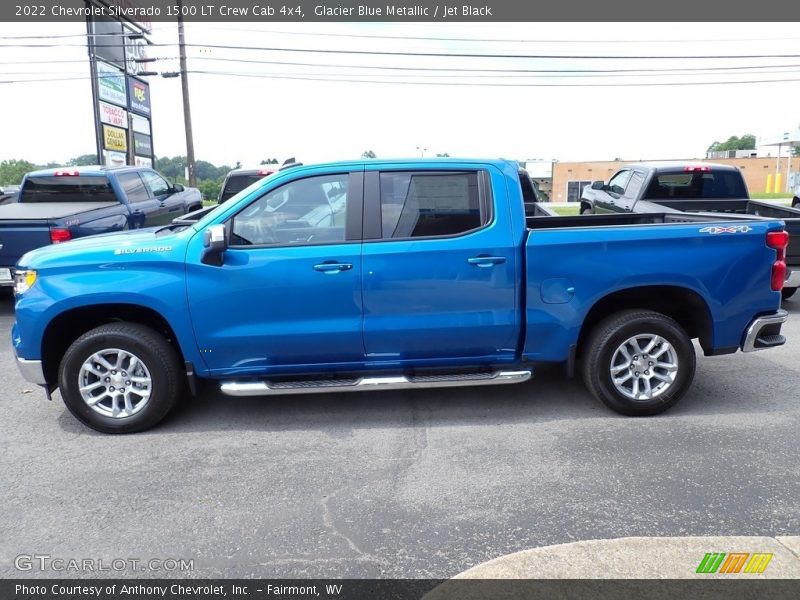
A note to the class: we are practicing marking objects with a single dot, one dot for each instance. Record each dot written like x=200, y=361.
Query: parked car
x=418, y=273
x=8, y=194
x=796, y=199
x=691, y=187
x=58, y=205
x=239, y=179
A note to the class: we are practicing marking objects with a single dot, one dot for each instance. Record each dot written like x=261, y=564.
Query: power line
x=437, y=54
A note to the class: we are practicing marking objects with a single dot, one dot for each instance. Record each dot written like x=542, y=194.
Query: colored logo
x=734, y=562
x=138, y=92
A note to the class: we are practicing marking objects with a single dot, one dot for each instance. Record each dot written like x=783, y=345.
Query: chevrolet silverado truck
x=696, y=187
x=373, y=275
x=56, y=205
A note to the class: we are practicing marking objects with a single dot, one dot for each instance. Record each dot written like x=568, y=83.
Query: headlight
x=23, y=281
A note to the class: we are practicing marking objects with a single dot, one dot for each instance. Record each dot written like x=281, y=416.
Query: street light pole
x=187, y=114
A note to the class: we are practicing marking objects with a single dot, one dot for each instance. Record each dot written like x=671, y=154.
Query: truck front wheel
x=638, y=362
x=120, y=378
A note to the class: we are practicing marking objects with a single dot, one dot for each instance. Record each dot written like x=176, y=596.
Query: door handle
x=332, y=267
x=486, y=261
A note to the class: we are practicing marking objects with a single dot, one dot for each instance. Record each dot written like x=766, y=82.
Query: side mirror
x=598, y=185
x=215, y=244
x=178, y=187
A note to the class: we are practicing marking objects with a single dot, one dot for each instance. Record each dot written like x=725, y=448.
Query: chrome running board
x=370, y=383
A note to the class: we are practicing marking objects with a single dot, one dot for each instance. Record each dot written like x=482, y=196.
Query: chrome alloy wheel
x=644, y=367
x=115, y=383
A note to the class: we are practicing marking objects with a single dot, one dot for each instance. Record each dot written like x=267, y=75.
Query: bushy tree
x=746, y=142
x=12, y=171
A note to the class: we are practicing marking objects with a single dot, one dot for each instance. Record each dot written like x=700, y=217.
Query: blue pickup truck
x=391, y=274
x=56, y=205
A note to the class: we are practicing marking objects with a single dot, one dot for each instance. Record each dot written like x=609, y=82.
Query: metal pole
x=187, y=115
x=98, y=134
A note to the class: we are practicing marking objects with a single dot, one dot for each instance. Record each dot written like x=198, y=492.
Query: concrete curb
x=640, y=558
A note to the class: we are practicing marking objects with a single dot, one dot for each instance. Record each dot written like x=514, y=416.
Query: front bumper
x=765, y=332
x=31, y=370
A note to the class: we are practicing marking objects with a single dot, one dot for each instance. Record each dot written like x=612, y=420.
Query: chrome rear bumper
x=765, y=332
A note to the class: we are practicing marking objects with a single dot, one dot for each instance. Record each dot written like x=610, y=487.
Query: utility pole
x=187, y=114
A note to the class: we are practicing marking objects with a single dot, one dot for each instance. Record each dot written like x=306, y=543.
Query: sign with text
x=115, y=138
x=141, y=161
x=139, y=96
x=111, y=84
x=113, y=115
x=142, y=144
x=115, y=159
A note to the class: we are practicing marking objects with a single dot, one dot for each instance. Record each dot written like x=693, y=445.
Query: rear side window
x=67, y=188
x=425, y=204
x=696, y=184
x=134, y=187
x=236, y=183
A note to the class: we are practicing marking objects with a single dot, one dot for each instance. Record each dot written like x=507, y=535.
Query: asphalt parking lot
x=399, y=484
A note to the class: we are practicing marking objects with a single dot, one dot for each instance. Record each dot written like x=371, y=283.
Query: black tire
x=586, y=210
x=787, y=293
x=605, y=340
x=795, y=202
x=151, y=349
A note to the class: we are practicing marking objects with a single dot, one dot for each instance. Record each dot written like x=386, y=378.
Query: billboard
x=140, y=124
x=114, y=159
x=115, y=138
x=139, y=96
x=141, y=161
x=111, y=84
x=113, y=115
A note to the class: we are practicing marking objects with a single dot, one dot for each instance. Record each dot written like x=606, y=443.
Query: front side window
x=157, y=184
x=306, y=211
x=619, y=182
x=425, y=204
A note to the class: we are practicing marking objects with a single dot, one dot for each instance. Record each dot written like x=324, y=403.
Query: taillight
x=696, y=169
x=778, y=240
x=73, y=173
x=59, y=234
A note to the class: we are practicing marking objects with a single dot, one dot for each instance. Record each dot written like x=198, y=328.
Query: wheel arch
x=681, y=304
x=69, y=325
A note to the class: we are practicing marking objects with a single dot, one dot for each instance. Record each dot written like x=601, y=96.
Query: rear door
x=439, y=267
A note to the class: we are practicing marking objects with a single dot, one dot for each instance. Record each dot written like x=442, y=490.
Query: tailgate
x=18, y=238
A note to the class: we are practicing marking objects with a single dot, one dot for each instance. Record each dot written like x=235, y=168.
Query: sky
x=254, y=110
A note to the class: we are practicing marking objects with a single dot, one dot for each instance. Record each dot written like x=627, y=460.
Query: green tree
x=270, y=161
x=443, y=155
x=173, y=168
x=368, y=154
x=210, y=188
x=83, y=160
x=746, y=142
x=12, y=171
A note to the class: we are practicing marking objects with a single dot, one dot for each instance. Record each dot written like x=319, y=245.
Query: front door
x=287, y=297
x=439, y=275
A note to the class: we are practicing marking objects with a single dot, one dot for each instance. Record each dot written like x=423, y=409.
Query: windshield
x=52, y=188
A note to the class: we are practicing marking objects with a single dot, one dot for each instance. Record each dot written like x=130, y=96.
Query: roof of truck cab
x=663, y=165
x=415, y=161
x=85, y=170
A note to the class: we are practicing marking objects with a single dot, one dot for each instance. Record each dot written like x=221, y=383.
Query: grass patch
x=771, y=196
x=567, y=211
x=209, y=202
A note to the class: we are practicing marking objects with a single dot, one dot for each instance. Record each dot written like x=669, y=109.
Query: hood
x=127, y=246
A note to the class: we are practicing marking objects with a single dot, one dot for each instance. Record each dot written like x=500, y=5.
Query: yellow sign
x=115, y=138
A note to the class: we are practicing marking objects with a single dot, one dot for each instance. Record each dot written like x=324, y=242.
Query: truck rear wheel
x=638, y=362
x=120, y=378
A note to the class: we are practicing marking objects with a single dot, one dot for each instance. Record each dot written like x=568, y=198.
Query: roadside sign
x=140, y=124
x=142, y=144
x=141, y=161
x=115, y=138
x=113, y=115
x=111, y=84
x=114, y=159
x=139, y=96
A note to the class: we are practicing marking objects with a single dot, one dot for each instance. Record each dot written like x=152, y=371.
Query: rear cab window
x=67, y=188
x=236, y=182
x=697, y=184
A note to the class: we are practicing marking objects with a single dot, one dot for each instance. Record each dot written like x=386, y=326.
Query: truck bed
x=546, y=219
